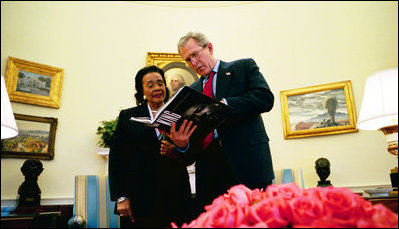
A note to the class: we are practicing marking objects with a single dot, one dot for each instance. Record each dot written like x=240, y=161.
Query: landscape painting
x=35, y=139
x=318, y=110
x=33, y=83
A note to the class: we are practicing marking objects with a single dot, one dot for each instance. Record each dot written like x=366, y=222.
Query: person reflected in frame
x=239, y=151
x=176, y=82
x=149, y=182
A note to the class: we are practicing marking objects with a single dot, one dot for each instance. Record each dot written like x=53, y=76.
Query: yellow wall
x=101, y=46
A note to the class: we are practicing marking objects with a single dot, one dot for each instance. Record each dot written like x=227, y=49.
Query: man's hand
x=123, y=208
x=181, y=137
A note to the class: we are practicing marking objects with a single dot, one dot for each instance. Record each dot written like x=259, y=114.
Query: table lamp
x=8, y=125
x=379, y=111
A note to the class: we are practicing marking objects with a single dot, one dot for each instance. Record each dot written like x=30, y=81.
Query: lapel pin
x=228, y=73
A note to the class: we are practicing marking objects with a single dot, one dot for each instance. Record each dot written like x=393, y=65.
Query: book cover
x=187, y=103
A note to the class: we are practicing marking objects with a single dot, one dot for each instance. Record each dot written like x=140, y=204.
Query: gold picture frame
x=33, y=83
x=318, y=110
x=172, y=64
x=35, y=140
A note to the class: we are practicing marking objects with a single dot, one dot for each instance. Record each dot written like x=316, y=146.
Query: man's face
x=175, y=83
x=199, y=58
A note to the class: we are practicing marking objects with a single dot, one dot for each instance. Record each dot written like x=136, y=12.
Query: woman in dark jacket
x=151, y=187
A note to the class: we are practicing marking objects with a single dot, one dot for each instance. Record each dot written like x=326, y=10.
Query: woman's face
x=154, y=88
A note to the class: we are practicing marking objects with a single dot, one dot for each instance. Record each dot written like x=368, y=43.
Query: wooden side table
x=389, y=202
x=45, y=216
x=30, y=220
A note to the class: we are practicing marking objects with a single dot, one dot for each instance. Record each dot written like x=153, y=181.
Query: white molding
x=194, y=4
x=103, y=151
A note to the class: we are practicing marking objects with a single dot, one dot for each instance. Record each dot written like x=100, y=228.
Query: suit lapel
x=222, y=81
x=197, y=85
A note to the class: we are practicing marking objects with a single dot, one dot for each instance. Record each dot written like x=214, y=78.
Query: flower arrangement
x=287, y=205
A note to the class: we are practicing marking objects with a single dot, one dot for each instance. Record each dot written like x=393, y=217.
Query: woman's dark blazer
x=138, y=171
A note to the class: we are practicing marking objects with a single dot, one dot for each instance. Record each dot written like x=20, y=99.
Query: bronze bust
x=323, y=171
x=29, y=191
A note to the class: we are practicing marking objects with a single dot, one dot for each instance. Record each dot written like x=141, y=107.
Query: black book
x=187, y=103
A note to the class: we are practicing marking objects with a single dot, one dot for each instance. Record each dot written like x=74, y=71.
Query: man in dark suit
x=238, y=152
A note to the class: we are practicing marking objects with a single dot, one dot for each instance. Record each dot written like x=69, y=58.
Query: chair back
x=93, y=202
x=290, y=176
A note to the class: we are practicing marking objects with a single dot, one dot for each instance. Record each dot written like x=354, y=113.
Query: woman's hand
x=181, y=137
x=165, y=147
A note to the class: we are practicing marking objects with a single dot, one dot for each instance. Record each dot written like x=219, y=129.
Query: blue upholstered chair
x=93, y=207
x=290, y=176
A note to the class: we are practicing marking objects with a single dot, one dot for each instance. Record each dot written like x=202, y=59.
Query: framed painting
x=33, y=83
x=318, y=110
x=177, y=73
x=35, y=139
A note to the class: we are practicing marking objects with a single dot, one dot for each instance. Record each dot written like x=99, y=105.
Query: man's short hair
x=200, y=38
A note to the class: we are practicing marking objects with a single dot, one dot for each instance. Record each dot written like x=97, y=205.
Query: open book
x=187, y=103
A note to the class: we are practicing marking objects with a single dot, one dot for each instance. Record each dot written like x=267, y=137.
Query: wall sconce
x=379, y=111
x=8, y=125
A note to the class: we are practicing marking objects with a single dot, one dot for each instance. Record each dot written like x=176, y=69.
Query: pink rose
x=289, y=206
x=257, y=195
x=222, y=199
x=266, y=211
x=223, y=215
x=258, y=225
x=236, y=195
x=287, y=191
x=199, y=222
x=343, y=206
x=379, y=216
x=302, y=210
x=324, y=222
x=240, y=194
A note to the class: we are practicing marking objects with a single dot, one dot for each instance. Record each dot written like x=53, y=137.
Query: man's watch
x=121, y=199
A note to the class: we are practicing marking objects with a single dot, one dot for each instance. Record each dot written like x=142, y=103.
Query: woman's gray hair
x=198, y=37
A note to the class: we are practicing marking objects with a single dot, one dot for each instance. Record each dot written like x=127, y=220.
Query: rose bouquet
x=287, y=205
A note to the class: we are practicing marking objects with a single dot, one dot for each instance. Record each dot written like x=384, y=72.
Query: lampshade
x=8, y=126
x=380, y=101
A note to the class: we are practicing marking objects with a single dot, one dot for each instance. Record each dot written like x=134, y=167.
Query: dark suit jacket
x=243, y=136
x=138, y=171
